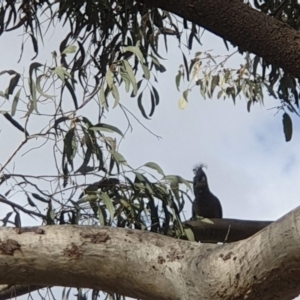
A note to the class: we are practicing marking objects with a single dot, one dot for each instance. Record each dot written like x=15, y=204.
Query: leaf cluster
x=284, y=10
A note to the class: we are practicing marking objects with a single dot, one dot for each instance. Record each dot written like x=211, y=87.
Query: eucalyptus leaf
x=108, y=203
x=70, y=49
x=155, y=166
x=15, y=102
x=136, y=51
x=106, y=127
x=287, y=127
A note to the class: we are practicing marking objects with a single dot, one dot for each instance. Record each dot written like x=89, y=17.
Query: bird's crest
x=199, y=166
x=200, y=179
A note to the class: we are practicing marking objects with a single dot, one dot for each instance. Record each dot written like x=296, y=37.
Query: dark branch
x=225, y=230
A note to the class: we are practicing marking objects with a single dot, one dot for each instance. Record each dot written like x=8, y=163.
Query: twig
x=14, y=153
x=26, y=211
x=125, y=108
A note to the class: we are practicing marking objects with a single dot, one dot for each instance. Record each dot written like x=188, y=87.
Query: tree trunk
x=251, y=30
x=145, y=265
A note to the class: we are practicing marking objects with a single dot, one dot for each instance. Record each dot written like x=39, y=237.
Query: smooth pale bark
x=145, y=265
x=253, y=31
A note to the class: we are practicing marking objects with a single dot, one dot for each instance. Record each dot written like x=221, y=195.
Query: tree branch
x=251, y=30
x=21, y=208
x=151, y=266
x=225, y=230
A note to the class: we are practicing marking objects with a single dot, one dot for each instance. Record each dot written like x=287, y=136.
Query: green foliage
x=118, y=38
x=123, y=196
x=121, y=39
x=210, y=74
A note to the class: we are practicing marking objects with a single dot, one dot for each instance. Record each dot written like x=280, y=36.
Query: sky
x=250, y=167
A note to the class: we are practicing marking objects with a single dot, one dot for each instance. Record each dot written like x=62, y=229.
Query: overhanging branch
x=251, y=30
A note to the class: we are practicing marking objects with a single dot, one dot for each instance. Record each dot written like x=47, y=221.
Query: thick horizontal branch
x=222, y=230
x=253, y=31
x=146, y=265
x=132, y=262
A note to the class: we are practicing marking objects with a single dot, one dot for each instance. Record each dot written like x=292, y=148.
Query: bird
x=206, y=204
